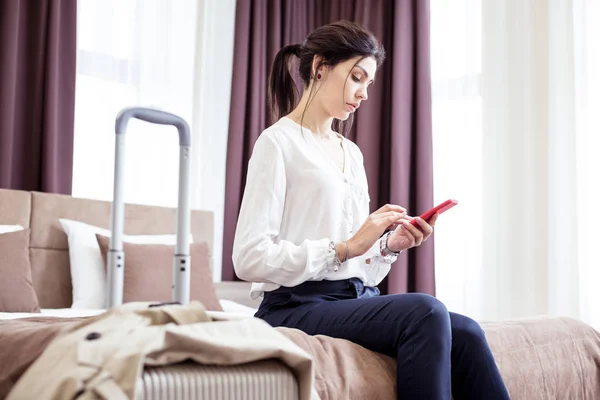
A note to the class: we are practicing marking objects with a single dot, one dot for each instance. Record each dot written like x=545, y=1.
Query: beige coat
x=102, y=357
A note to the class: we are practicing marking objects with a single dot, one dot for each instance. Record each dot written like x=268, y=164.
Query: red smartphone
x=448, y=204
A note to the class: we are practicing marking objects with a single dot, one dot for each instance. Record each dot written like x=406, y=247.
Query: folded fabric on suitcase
x=104, y=356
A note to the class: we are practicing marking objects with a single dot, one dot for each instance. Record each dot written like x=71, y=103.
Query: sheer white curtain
x=172, y=55
x=457, y=155
x=212, y=95
x=514, y=142
x=587, y=127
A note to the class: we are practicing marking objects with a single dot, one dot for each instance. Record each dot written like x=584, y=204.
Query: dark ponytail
x=333, y=43
x=283, y=92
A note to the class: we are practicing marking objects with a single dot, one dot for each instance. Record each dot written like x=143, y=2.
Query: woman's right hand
x=373, y=228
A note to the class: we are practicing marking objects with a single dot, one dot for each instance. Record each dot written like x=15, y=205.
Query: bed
x=539, y=358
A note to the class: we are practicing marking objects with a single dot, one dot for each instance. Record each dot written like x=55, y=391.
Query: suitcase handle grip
x=155, y=117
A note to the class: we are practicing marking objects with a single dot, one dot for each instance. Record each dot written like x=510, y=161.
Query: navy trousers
x=440, y=354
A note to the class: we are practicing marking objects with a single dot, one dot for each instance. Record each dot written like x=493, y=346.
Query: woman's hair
x=333, y=43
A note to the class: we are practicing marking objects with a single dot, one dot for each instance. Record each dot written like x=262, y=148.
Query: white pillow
x=88, y=276
x=10, y=228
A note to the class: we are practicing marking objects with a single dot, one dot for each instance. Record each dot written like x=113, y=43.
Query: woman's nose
x=363, y=94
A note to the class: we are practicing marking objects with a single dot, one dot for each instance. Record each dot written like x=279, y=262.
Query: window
x=132, y=53
x=457, y=146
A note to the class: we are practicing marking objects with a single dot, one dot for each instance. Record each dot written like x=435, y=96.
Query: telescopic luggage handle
x=181, y=257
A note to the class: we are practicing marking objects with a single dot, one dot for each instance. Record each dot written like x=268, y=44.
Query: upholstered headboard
x=48, y=243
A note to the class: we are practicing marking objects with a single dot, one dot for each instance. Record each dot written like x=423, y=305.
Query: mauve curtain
x=393, y=128
x=37, y=94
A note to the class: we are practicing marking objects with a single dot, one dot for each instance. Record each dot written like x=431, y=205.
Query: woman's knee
x=465, y=329
x=429, y=303
x=429, y=324
x=430, y=309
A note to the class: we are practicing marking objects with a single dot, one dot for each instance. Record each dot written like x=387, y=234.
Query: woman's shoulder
x=281, y=134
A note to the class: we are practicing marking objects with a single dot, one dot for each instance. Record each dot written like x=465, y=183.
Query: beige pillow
x=16, y=287
x=149, y=269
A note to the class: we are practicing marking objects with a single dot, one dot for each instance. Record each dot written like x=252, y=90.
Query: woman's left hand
x=406, y=236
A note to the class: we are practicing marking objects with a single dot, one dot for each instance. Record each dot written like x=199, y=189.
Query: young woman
x=306, y=240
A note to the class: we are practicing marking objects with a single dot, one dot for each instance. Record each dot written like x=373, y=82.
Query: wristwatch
x=383, y=247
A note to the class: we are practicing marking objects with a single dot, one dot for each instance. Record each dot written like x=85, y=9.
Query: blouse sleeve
x=374, y=256
x=256, y=256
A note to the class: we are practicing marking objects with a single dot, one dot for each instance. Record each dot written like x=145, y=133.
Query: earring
x=319, y=76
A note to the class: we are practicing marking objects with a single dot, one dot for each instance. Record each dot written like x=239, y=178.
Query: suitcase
x=262, y=380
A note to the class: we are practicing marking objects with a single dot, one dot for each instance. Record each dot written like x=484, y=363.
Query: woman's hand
x=373, y=228
x=406, y=235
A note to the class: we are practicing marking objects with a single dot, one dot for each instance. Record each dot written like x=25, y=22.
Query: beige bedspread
x=544, y=358
x=539, y=358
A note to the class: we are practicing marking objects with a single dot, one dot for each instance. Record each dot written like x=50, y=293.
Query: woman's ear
x=318, y=66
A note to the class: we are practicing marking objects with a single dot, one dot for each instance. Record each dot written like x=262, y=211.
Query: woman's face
x=345, y=86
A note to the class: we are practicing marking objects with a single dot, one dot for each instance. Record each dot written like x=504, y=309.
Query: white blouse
x=296, y=201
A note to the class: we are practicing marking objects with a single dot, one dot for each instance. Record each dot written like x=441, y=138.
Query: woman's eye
x=355, y=78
